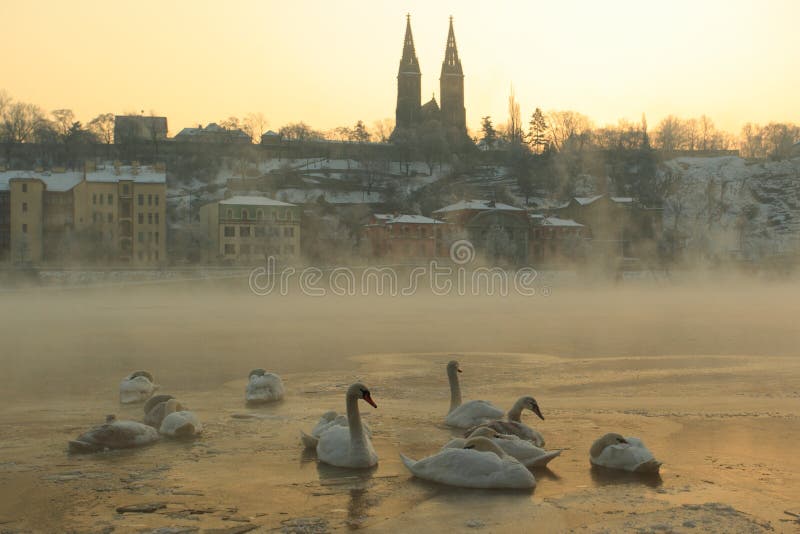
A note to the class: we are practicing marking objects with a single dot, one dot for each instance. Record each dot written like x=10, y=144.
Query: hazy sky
x=333, y=63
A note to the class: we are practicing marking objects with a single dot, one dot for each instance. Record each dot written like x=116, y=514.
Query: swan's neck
x=354, y=421
x=515, y=413
x=455, y=391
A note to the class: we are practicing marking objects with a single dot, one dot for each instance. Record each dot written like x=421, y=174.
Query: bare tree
x=254, y=125
x=63, y=119
x=20, y=121
x=103, y=127
x=383, y=129
x=566, y=125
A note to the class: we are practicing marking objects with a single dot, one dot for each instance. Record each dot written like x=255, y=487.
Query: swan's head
x=145, y=374
x=483, y=444
x=453, y=368
x=172, y=405
x=110, y=418
x=154, y=401
x=360, y=391
x=257, y=372
x=484, y=431
x=531, y=404
x=609, y=439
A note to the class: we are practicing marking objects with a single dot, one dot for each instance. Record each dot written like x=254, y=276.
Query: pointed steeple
x=451, y=63
x=409, y=63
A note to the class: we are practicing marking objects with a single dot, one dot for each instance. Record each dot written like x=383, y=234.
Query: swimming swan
x=114, y=434
x=326, y=422
x=628, y=454
x=524, y=451
x=479, y=464
x=179, y=423
x=471, y=413
x=349, y=446
x=263, y=387
x=136, y=387
x=513, y=424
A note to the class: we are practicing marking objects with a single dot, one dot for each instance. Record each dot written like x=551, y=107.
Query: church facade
x=410, y=112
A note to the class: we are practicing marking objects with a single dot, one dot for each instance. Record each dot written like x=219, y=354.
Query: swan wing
x=181, y=424
x=135, y=389
x=265, y=388
x=335, y=448
x=473, y=413
x=631, y=456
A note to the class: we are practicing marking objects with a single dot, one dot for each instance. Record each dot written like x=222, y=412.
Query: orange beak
x=368, y=398
x=459, y=370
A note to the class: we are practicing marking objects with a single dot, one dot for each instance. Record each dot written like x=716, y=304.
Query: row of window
x=151, y=255
x=151, y=218
x=260, y=231
x=96, y=197
x=150, y=236
x=282, y=215
x=244, y=250
x=109, y=198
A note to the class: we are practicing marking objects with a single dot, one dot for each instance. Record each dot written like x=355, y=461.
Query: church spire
x=409, y=63
x=451, y=63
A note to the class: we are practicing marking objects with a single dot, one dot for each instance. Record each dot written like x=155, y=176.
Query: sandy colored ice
x=708, y=376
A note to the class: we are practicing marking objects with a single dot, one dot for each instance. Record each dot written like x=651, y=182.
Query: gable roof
x=242, y=200
x=481, y=205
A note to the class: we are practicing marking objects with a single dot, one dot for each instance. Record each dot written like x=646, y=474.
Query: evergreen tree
x=537, y=132
x=489, y=133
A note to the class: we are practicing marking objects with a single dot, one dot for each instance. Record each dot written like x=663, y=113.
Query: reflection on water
x=544, y=473
x=357, y=483
x=603, y=476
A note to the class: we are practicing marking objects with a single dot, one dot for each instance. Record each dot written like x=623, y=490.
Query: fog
x=700, y=370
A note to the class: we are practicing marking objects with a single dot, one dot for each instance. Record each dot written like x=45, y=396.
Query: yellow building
x=247, y=229
x=114, y=214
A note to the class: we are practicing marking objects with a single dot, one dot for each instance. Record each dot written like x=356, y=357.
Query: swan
x=628, y=454
x=136, y=387
x=513, y=424
x=471, y=413
x=479, y=464
x=349, y=446
x=114, y=434
x=155, y=410
x=263, y=387
x=326, y=422
x=524, y=451
x=179, y=423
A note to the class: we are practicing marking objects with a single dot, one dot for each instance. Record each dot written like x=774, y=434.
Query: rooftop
x=65, y=181
x=253, y=201
x=412, y=219
x=476, y=205
x=555, y=221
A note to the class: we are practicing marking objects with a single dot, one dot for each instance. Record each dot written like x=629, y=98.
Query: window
x=230, y=231
x=110, y=199
x=24, y=228
x=244, y=231
x=229, y=214
x=230, y=248
x=141, y=237
x=94, y=198
x=156, y=218
x=149, y=200
x=156, y=197
x=24, y=207
x=125, y=189
x=156, y=255
x=245, y=215
x=149, y=218
x=156, y=234
x=149, y=236
x=94, y=216
x=260, y=215
x=110, y=217
x=24, y=188
x=141, y=218
x=261, y=231
x=101, y=199
x=141, y=200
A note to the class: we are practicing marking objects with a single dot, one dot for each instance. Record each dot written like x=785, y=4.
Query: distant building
x=410, y=112
x=555, y=240
x=133, y=128
x=213, y=133
x=115, y=214
x=248, y=229
x=406, y=237
x=620, y=227
x=464, y=210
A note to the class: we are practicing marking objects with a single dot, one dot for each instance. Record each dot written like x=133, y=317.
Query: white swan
x=628, y=454
x=114, y=435
x=155, y=410
x=349, y=446
x=179, y=423
x=524, y=451
x=326, y=422
x=136, y=387
x=263, y=387
x=471, y=413
x=479, y=464
x=513, y=424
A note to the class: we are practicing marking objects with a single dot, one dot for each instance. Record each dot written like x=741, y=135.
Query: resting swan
x=136, y=387
x=524, y=451
x=179, y=423
x=479, y=464
x=263, y=387
x=628, y=454
x=471, y=413
x=514, y=426
x=155, y=410
x=349, y=446
x=326, y=422
x=114, y=435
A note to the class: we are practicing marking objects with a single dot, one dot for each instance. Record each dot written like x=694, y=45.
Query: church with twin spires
x=410, y=111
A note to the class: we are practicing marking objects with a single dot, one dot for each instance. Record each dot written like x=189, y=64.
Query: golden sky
x=333, y=63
